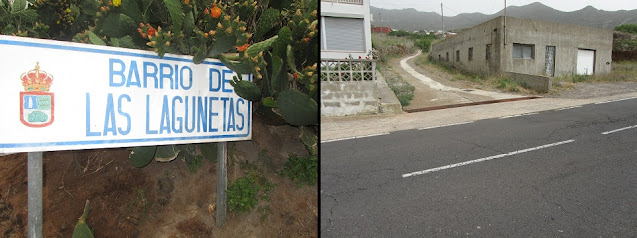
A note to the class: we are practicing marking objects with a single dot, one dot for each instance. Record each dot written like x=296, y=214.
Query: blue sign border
x=116, y=141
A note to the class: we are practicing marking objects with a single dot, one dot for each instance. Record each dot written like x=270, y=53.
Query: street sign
x=63, y=96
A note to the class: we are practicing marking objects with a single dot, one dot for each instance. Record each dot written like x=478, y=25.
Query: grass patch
x=403, y=90
x=621, y=71
x=245, y=192
x=302, y=170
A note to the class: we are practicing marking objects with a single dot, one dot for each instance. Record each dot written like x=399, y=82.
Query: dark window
x=439, y=58
x=523, y=51
x=470, y=54
x=447, y=57
x=457, y=55
x=488, y=51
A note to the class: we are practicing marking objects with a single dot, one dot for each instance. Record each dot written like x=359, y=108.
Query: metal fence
x=348, y=70
x=359, y=2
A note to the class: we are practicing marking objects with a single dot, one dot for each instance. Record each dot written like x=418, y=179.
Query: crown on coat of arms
x=36, y=80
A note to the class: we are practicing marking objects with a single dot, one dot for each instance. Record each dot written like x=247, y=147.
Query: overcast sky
x=455, y=7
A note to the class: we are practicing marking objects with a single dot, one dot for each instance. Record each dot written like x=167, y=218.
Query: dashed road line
x=616, y=100
x=355, y=137
x=519, y=115
x=618, y=130
x=486, y=158
x=445, y=125
x=566, y=108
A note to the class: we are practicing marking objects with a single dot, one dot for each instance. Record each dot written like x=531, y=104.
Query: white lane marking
x=355, y=137
x=452, y=124
x=519, y=115
x=486, y=158
x=620, y=129
x=565, y=108
x=616, y=100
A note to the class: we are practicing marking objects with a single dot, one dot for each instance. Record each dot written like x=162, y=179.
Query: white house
x=345, y=29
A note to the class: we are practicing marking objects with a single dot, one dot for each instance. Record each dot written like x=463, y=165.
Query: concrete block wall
x=348, y=98
x=538, y=83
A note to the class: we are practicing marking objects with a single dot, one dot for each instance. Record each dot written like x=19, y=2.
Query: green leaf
x=223, y=44
x=141, y=156
x=166, y=153
x=280, y=79
x=254, y=49
x=81, y=228
x=309, y=139
x=117, y=25
x=297, y=108
x=90, y=7
x=18, y=5
x=200, y=54
x=94, y=39
x=266, y=22
x=247, y=90
x=131, y=9
x=281, y=4
x=114, y=42
x=189, y=24
x=127, y=42
x=243, y=67
x=209, y=151
x=279, y=47
x=176, y=14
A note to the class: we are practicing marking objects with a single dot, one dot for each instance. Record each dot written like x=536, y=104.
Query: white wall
x=350, y=11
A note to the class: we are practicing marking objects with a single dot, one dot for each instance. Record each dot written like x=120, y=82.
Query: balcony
x=357, y=2
x=348, y=70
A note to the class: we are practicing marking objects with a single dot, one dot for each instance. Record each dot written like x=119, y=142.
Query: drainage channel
x=468, y=104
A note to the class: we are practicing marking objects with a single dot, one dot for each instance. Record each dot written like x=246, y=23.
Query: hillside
x=410, y=19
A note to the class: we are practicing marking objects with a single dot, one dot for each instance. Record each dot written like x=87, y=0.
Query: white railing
x=348, y=70
x=359, y=2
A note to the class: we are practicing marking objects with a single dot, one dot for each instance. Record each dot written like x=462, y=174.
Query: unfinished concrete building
x=530, y=51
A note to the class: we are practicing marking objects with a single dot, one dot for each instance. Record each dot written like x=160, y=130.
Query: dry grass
x=392, y=46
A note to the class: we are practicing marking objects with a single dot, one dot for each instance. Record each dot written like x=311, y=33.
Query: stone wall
x=341, y=98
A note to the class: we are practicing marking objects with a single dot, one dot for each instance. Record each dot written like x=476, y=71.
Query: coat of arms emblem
x=36, y=102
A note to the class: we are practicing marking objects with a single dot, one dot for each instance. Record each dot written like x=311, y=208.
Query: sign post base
x=34, y=176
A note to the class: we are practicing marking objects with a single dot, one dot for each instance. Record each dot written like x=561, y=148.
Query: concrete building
x=529, y=50
x=348, y=75
x=345, y=29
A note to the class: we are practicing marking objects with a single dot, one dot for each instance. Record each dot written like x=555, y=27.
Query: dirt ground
x=161, y=199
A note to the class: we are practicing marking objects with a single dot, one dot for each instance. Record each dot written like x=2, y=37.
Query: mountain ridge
x=413, y=20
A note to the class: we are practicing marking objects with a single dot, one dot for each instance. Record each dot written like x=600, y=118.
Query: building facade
x=345, y=29
x=528, y=47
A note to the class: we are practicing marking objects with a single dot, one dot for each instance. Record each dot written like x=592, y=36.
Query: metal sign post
x=34, y=171
x=222, y=180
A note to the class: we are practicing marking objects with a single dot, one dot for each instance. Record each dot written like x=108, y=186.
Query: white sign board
x=62, y=96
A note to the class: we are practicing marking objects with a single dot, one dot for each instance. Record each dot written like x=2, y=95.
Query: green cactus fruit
x=94, y=39
x=81, y=228
x=166, y=153
x=297, y=108
x=280, y=80
x=266, y=22
x=269, y=102
x=209, y=151
x=279, y=47
x=254, y=49
x=243, y=67
x=176, y=14
x=141, y=156
x=117, y=25
x=309, y=139
x=223, y=44
x=247, y=90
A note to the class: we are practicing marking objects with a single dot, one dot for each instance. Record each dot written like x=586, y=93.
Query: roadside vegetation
x=398, y=44
x=480, y=81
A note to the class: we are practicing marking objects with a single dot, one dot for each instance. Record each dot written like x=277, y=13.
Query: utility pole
x=505, y=23
x=442, y=17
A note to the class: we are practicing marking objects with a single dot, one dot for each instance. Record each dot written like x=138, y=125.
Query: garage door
x=585, y=61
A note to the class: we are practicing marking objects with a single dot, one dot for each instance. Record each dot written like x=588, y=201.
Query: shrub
x=301, y=169
x=630, y=28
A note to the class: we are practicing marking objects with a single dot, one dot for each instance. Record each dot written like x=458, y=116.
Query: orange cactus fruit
x=242, y=48
x=215, y=11
x=151, y=31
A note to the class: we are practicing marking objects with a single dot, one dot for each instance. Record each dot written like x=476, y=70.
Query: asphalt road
x=548, y=174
